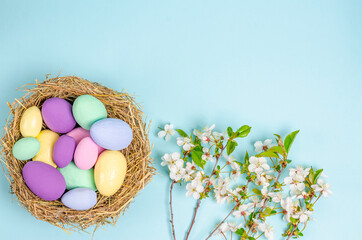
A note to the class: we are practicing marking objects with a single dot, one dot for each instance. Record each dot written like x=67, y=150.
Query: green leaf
x=267, y=154
x=182, y=133
x=311, y=175
x=293, y=220
x=276, y=149
x=243, y=131
x=230, y=131
x=231, y=147
x=197, y=158
x=246, y=158
x=277, y=135
x=316, y=175
x=251, y=238
x=288, y=141
x=256, y=191
x=240, y=231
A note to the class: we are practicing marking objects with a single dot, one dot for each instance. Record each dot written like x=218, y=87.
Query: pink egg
x=79, y=133
x=86, y=154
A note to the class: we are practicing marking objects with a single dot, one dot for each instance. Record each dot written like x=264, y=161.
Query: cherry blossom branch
x=199, y=201
x=232, y=210
x=172, y=224
x=193, y=219
x=276, y=180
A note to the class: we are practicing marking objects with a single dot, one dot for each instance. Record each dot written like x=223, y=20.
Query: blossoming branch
x=252, y=184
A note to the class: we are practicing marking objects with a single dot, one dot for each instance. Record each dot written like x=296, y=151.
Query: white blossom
x=177, y=172
x=220, y=136
x=322, y=187
x=255, y=200
x=185, y=142
x=207, y=156
x=267, y=230
x=222, y=229
x=276, y=196
x=167, y=132
x=260, y=146
x=303, y=216
x=205, y=134
x=258, y=165
x=289, y=206
x=194, y=188
x=172, y=159
x=244, y=210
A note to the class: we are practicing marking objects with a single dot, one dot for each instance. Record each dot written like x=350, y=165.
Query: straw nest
x=119, y=105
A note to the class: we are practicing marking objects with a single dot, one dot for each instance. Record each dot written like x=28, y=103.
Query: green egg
x=87, y=110
x=78, y=178
x=26, y=148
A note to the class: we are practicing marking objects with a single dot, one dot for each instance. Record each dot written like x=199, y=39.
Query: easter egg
x=109, y=172
x=44, y=180
x=47, y=141
x=78, y=178
x=63, y=151
x=111, y=133
x=26, y=148
x=31, y=122
x=86, y=154
x=80, y=199
x=87, y=110
x=79, y=133
x=57, y=115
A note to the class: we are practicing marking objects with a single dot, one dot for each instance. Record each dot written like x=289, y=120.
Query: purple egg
x=44, y=180
x=64, y=151
x=57, y=115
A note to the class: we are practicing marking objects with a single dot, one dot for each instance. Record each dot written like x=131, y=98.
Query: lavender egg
x=111, y=133
x=64, y=151
x=57, y=115
x=80, y=199
x=44, y=180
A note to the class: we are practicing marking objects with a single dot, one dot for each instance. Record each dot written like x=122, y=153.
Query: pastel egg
x=87, y=110
x=44, y=180
x=78, y=178
x=31, y=122
x=110, y=171
x=79, y=133
x=86, y=154
x=80, y=199
x=111, y=133
x=47, y=141
x=26, y=148
x=57, y=115
x=63, y=151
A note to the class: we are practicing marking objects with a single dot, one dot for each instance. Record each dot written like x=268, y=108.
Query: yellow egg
x=109, y=172
x=31, y=122
x=47, y=140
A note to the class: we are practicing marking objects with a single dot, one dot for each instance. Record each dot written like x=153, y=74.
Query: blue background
x=277, y=66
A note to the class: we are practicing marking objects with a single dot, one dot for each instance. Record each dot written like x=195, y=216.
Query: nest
x=119, y=105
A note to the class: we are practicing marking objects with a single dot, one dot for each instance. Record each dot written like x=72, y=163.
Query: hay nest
x=119, y=105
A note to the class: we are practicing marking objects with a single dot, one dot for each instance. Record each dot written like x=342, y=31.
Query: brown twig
x=193, y=219
x=232, y=210
x=172, y=224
